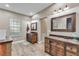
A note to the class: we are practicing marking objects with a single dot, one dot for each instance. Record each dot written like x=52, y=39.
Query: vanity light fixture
x=7, y=5
x=66, y=7
x=60, y=10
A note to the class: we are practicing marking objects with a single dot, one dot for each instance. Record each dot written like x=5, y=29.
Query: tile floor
x=25, y=48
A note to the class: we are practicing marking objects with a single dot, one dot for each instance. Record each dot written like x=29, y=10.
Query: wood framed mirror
x=34, y=26
x=66, y=23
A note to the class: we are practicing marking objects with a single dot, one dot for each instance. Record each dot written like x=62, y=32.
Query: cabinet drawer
x=72, y=48
x=60, y=52
x=70, y=54
x=53, y=43
x=59, y=43
x=59, y=46
x=53, y=52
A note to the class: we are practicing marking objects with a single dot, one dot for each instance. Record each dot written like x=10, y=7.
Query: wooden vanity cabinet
x=71, y=49
x=60, y=48
x=5, y=48
x=54, y=47
x=47, y=45
x=32, y=37
x=28, y=37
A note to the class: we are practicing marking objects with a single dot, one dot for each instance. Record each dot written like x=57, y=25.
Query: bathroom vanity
x=32, y=37
x=5, y=44
x=61, y=46
x=5, y=47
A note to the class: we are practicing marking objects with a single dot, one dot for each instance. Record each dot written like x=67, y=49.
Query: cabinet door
x=57, y=48
x=28, y=35
x=47, y=45
x=34, y=38
x=60, y=52
x=60, y=48
x=53, y=47
x=5, y=49
x=9, y=49
x=71, y=49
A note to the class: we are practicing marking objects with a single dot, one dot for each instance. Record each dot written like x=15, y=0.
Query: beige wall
x=36, y=18
x=49, y=11
x=43, y=28
x=49, y=14
x=43, y=25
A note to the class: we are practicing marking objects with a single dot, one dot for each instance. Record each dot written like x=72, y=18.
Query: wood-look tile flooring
x=25, y=48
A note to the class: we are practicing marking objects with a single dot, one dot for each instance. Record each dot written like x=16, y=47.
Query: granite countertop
x=3, y=36
x=64, y=40
x=6, y=40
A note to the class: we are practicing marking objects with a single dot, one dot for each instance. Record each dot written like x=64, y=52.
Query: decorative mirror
x=28, y=28
x=64, y=23
x=34, y=26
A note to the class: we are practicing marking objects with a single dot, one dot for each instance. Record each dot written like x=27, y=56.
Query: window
x=15, y=27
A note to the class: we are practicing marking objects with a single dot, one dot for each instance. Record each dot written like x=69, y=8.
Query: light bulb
x=55, y=12
x=7, y=5
x=66, y=7
x=60, y=10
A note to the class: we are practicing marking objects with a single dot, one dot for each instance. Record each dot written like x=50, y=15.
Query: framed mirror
x=34, y=26
x=64, y=23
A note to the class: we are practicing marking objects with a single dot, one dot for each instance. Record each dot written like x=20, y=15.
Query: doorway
x=43, y=28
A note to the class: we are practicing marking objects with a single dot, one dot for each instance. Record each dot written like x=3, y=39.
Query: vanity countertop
x=64, y=40
x=3, y=37
x=6, y=40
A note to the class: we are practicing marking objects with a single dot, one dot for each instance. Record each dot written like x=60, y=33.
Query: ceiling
x=25, y=8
